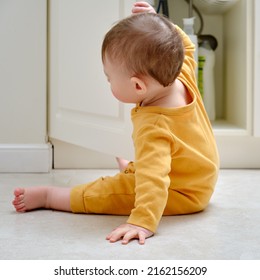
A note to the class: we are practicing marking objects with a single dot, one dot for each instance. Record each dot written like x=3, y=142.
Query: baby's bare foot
x=29, y=198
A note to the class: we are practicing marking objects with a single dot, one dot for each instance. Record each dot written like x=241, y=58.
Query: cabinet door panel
x=82, y=109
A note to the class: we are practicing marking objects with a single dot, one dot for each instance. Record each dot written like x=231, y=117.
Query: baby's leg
x=56, y=198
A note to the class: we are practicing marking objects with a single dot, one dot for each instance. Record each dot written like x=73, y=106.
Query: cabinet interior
x=233, y=67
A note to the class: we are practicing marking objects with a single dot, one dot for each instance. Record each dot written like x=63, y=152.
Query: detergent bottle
x=206, y=77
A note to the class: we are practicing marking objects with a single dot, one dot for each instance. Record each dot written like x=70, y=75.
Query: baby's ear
x=138, y=85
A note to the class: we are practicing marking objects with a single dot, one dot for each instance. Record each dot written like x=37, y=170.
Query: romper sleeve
x=153, y=164
x=188, y=71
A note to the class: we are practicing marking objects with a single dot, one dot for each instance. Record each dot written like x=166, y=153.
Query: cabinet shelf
x=225, y=128
x=233, y=30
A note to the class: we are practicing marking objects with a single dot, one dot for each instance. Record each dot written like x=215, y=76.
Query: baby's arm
x=127, y=232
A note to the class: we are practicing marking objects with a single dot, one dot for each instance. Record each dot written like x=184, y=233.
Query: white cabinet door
x=82, y=110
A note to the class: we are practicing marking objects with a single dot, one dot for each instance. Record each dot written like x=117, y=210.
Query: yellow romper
x=176, y=163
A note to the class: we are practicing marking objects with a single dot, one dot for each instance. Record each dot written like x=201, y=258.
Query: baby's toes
x=18, y=199
x=18, y=192
x=20, y=207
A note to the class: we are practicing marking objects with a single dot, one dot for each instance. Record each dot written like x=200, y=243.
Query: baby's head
x=146, y=44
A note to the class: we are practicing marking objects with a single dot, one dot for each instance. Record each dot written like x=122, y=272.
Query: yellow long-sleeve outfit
x=176, y=163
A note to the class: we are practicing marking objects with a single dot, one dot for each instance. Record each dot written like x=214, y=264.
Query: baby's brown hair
x=146, y=44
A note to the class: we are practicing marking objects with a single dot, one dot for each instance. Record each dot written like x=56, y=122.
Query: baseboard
x=25, y=158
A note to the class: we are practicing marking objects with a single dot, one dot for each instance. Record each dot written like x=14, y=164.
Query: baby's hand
x=128, y=232
x=142, y=7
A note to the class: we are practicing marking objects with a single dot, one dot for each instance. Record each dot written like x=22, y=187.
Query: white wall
x=23, y=62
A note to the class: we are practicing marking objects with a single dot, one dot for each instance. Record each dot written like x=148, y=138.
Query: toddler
x=148, y=61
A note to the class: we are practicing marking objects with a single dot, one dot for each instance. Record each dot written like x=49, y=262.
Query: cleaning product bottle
x=188, y=27
x=206, y=77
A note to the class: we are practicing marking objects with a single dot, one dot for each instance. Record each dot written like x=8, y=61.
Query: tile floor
x=228, y=229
